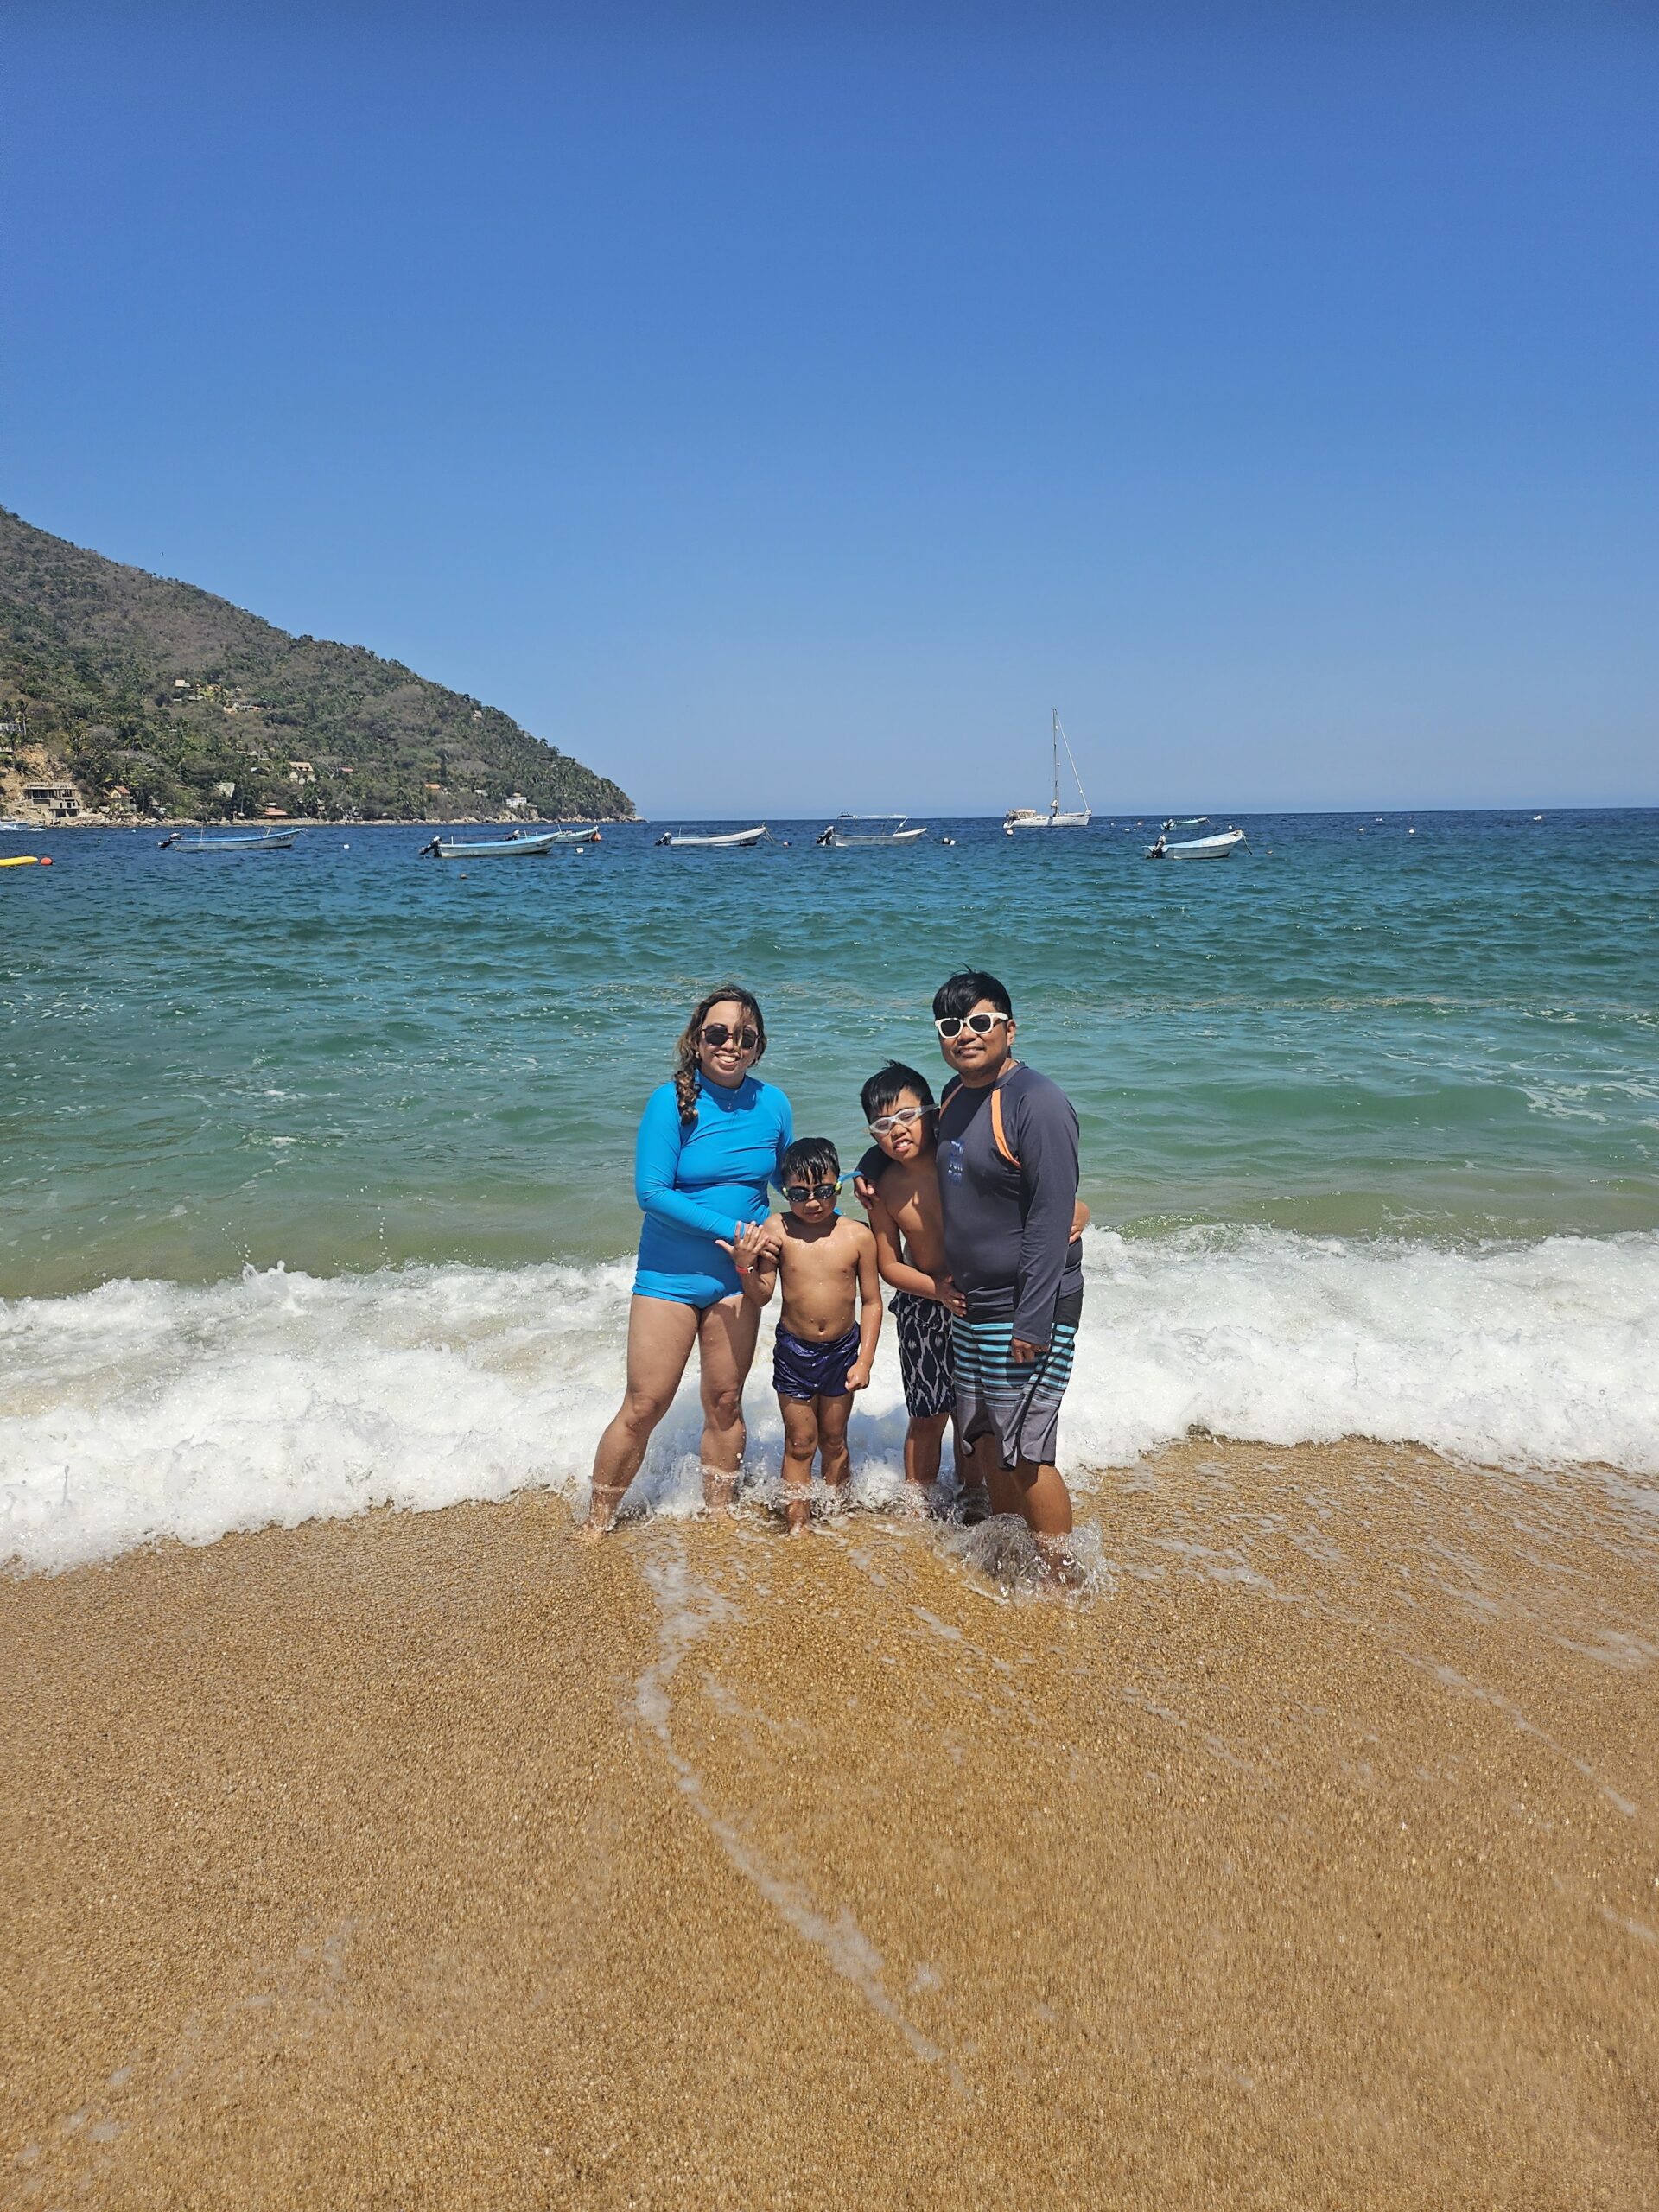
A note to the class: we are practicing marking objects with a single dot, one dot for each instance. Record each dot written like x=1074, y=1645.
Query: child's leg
x=924, y=1439
x=800, y=1443
x=833, y=1415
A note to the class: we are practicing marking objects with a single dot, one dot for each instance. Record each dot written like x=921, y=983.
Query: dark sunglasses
x=714, y=1034
x=800, y=1194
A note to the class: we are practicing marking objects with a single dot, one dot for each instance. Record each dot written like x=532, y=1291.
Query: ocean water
x=316, y=1182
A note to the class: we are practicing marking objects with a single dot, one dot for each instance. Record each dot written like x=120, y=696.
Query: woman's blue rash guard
x=696, y=1183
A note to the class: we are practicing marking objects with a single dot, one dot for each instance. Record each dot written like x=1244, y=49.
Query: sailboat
x=1028, y=817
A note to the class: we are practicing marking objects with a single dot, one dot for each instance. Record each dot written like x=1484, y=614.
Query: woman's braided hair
x=685, y=1066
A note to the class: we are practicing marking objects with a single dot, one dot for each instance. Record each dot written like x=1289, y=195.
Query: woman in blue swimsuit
x=710, y=1141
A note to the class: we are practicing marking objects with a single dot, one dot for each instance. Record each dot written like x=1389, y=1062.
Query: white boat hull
x=498, y=849
x=1200, y=848
x=1019, y=819
x=727, y=839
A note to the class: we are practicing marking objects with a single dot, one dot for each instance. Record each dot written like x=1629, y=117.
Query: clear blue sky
x=785, y=406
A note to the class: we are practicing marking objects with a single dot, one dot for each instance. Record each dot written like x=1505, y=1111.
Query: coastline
x=433, y=1858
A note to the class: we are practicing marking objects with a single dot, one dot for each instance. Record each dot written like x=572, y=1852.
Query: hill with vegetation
x=154, y=698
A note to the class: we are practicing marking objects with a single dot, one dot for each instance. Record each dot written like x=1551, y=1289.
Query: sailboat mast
x=1054, y=735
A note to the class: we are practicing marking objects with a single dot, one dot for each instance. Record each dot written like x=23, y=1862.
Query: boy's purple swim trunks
x=804, y=1369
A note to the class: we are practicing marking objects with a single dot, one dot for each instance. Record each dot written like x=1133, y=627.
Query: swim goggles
x=902, y=1118
x=799, y=1193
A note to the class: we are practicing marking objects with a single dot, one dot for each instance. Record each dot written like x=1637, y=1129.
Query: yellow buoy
x=27, y=860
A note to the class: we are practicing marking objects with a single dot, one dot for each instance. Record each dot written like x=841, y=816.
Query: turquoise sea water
x=317, y=1165
x=347, y=1056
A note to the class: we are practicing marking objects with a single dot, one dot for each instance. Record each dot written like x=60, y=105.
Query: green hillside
x=153, y=698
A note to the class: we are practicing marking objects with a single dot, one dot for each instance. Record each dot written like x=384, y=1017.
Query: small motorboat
x=896, y=831
x=264, y=840
x=576, y=837
x=1218, y=848
x=727, y=838
x=518, y=846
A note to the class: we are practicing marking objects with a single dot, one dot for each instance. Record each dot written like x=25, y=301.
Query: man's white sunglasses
x=952, y=1025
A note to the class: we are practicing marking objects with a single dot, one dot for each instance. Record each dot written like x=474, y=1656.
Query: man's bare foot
x=1062, y=1569
x=719, y=1492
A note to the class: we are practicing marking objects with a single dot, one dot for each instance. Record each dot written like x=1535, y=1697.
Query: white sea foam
x=146, y=1409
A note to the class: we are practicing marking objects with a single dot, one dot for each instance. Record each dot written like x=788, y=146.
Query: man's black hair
x=885, y=1087
x=963, y=992
x=810, y=1159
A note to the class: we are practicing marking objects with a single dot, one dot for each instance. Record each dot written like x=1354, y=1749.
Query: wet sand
x=434, y=1860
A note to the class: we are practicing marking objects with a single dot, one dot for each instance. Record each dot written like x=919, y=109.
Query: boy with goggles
x=831, y=1319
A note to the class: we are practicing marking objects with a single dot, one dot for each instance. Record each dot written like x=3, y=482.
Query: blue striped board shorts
x=1020, y=1406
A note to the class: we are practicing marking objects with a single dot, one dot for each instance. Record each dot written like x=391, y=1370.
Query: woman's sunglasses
x=714, y=1034
x=899, y=1120
x=800, y=1194
x=980, y=1024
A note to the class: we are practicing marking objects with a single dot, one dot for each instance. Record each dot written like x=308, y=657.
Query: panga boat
x=1195, y=848
x=726, y=837
x=265, y=841
x=893, y=831
x=517, y=847
x=1028, y=817
x=576, y=837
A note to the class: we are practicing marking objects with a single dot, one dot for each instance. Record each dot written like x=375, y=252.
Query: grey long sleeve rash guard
x=1008, y=1229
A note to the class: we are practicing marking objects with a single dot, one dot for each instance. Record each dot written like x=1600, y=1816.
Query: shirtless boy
x=832, y=1317
x=897, y=1182
x=899, y=1190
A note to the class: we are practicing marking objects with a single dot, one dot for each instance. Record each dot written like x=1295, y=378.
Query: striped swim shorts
x=925, y=1354
x=1020, y=1406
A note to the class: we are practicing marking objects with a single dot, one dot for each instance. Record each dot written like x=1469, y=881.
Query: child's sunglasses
x=982, y=1024
x=800, y=1194
x=714, y=1034
x=901, y=1118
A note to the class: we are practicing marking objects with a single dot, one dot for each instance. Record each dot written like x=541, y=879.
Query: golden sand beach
x=435, y=1861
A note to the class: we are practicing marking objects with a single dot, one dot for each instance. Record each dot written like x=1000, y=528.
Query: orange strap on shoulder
x=999, y=1135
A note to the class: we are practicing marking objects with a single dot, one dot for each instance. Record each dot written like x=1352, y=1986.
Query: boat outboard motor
x=429, y=852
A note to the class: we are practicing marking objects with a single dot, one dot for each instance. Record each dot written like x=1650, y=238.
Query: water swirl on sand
x=689, y=1608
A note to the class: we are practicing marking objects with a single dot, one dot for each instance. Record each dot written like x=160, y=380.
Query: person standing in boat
x=710, y=1141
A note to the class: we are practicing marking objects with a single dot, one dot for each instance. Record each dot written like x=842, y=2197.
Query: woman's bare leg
x=661, y=1333
x=726, y=1340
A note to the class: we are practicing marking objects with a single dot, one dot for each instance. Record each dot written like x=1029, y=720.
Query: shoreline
x=433, y=1858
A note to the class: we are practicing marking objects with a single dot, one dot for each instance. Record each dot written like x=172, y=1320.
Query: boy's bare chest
x=913, y=1202
x=804, y=1260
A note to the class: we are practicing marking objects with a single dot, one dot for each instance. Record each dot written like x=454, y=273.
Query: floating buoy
x=27, y=860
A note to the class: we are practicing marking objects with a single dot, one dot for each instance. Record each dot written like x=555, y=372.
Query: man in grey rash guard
x=1007, y=1169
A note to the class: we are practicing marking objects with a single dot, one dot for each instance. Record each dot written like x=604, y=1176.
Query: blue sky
x=779, y=407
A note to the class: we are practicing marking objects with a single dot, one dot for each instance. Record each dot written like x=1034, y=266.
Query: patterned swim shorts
x=1020, y=1406
x=924, y=1354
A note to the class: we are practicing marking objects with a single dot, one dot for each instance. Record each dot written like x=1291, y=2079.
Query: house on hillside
x=61, y=799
